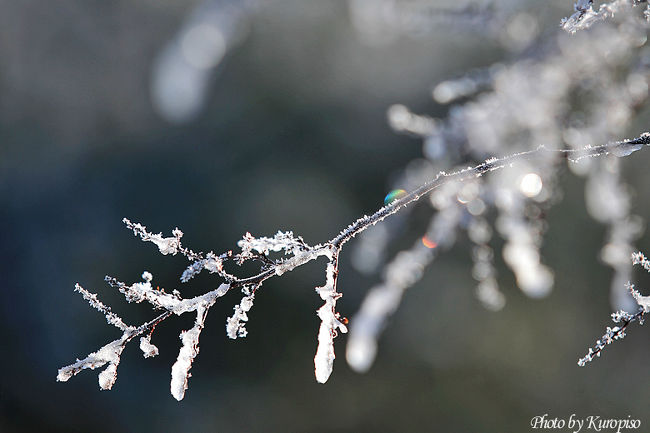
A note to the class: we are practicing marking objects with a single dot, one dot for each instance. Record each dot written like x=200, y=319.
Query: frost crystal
x=236, y=324
x=148, y=349
x=212, y=263
x=165, y=245
x=643, y=301
x=263, y=245
x=639, y=259
x=111, y=317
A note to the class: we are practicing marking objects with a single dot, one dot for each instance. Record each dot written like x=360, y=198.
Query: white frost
x=148, y=350
x=139, y=292
x=108, y=376
x=187, y=353
x=111, y=318
x=263, y=245
x=324, y=359
x=110, y=353
x=236, y=324
x=166, y=246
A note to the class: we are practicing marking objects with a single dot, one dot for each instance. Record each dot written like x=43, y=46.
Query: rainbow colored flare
x=394, y=195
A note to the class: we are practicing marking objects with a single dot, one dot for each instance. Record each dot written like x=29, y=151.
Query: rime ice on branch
x=295, y=253
x=622, y=317
x=171, y=304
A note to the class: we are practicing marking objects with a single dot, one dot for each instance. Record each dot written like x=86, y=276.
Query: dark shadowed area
x=289, y=133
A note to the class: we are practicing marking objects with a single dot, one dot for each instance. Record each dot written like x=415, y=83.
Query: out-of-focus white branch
x=585, y=16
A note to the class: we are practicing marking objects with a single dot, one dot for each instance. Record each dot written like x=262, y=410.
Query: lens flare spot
x=428, y=243
x=531, y=185
x=395, y=194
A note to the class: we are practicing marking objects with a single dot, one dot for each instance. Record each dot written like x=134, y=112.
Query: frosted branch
x=170, y=245
x=295, y=254
x=111, y=318
x=618, y=148
x=612, y=334
x=212, y=263
x=639, y=259
x=236, y=324
x=282, y=241
x=173, y=304
x=110, y=354
x=622, y=317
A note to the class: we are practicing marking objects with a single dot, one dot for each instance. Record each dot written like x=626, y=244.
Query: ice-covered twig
x=172, y=245
x=622, y=317
x=111, y=318
x=618, y=148
x=109, y=353
x=612, y=334
x=172, y=304
x=639, y=258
